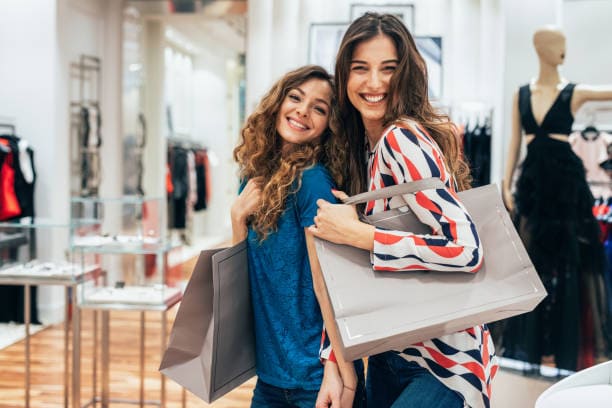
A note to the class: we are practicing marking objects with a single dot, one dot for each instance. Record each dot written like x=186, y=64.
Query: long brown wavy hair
x=407, y=98
x=260, y=155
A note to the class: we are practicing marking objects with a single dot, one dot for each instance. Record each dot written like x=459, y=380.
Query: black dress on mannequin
x=555, y=219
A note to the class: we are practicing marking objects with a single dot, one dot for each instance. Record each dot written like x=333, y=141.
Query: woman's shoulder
x=316, y=174
x=403, y=125
x=405, y=130
x=316, y=182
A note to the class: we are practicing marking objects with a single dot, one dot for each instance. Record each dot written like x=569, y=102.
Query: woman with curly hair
x=395, y=136
x=289, y=157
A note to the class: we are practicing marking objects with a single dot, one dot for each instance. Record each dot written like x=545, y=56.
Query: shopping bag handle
x=398, y=189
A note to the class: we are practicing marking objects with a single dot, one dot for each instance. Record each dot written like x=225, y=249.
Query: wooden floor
x=511, y=390
x=47, y=366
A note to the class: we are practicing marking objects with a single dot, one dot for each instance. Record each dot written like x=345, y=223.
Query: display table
x=129, y=304
x=20, y=274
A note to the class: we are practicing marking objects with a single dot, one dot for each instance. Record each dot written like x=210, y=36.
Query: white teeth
x=374, y=99
x=297, y=124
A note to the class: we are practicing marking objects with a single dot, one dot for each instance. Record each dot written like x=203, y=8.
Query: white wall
x=589, y=52
x=38, y=40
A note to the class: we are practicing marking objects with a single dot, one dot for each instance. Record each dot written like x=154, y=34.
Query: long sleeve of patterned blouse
x=406, y=153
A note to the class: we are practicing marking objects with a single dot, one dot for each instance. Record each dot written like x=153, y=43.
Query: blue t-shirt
x=287, y=317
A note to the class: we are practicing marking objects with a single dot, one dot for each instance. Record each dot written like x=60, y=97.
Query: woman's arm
x=346, y=368
x=408, y=155
x=247, y=202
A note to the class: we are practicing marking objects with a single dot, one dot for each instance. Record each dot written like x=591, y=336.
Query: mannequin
x=549, y=43
x=552, y=208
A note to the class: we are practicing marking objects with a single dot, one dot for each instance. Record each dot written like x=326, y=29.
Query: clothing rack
x=472, y=113
x=85, y=88
x=600, y=183
x=184, y=143
x=10, y=127
x=12, y=132
x=7, y=122
x=591, y=119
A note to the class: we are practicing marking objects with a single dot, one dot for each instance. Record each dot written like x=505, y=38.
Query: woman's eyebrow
x=297, y=88
x=383, y=62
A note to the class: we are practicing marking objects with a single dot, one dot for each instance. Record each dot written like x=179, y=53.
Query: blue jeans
x=397, y=383
x=269, y=396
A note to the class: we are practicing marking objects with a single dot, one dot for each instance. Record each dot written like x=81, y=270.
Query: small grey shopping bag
x=212, y=347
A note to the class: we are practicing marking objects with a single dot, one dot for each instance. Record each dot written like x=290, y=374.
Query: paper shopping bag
x=381, y=311
x=212, y=348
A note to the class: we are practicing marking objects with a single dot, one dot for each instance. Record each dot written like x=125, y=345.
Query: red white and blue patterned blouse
x=464, y=361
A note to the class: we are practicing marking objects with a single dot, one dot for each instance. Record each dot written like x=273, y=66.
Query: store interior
x=129, y=111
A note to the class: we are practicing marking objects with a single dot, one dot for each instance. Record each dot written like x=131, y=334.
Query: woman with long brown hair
x=288, y=157
x=395, y=136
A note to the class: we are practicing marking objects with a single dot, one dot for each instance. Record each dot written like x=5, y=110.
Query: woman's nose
x=374, y=79
x=302, y=110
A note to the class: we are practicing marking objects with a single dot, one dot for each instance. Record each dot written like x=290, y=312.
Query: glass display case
x=127, y=237
x=35, y=250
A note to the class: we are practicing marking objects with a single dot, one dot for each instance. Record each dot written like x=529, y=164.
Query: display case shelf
x=126, y=236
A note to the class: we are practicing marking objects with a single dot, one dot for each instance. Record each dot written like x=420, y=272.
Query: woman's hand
x=340, y=223
x=508, y=199
x=330, y=394
x=246, y=204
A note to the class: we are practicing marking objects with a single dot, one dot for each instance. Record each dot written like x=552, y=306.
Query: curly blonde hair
x=260, y=155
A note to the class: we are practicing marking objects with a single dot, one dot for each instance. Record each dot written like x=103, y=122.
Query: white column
x=155, y=151
x=111, y=100
x=259, y=55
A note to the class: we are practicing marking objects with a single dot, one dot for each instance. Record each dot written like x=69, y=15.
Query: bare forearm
x=239, y=228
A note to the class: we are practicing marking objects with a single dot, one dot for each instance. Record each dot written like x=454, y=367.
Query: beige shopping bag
x=212, y=347
x=381, y=311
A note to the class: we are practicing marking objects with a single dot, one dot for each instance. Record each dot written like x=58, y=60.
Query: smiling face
x=372, y=65
x=304, y=114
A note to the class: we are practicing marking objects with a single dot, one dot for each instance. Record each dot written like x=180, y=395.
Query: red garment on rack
x=9, y=205
x=207, y=174
x=169, y=185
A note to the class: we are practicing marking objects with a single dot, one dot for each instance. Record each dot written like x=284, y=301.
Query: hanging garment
x=592, y=148
x=200, y=181
x=554, y=217
x=180, y=183
x=477, y=152
x=23, y=174
x=9, y=205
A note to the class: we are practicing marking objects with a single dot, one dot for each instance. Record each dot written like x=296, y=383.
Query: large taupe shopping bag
x=212, y=347
x=381, y=311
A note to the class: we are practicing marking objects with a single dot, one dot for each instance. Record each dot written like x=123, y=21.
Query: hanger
x=9, y=126
x=590, y=132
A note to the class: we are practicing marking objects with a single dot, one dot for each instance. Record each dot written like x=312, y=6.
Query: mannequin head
x=549, y=43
